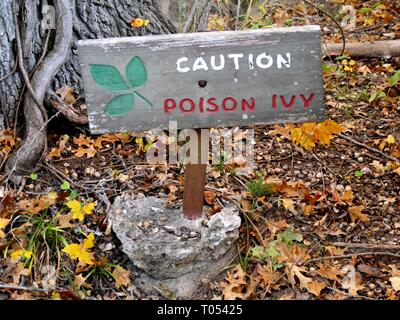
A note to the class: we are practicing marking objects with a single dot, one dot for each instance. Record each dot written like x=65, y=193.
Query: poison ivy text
x=109, y=78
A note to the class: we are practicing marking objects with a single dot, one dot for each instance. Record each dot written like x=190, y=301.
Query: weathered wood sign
x=203, y=80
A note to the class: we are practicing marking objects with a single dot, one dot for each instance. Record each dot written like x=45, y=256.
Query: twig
x=238, y=14
x=351, y=255
x=368, y=246
x=334, y=20
x=360, y=144
x=29, y=289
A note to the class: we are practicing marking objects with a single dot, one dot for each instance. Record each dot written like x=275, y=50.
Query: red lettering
x=182, y=105
x=169, y=105
x=201, y=105
x=225, y=103
x=274, y=104
x=306, y=101
x=291, y=103
x=211, y=102
x=246, y=105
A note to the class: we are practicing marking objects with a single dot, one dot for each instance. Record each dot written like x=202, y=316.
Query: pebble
x=319, y=175
x=360, y=159
x=356, y=155
x=340, y=188
x=372, y=286
x=366, y=171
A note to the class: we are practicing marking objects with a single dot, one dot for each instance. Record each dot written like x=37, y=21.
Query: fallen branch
x=367, y=49
x=368, y=246
x=360, y=144
x=28, y=289
x=351, y=255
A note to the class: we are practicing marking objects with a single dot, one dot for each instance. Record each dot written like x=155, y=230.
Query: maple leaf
x=89, y=152
x=78, y=210
x=122, y=277
x=88, y=243
x=355, y=214
x=76, y=251
x=3, y=224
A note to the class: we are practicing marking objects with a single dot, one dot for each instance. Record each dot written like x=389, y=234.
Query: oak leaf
x=355, y=214
x=312, y=286
x=3, y=224
x=89, y=152
x=288, y=204
x=122, y=277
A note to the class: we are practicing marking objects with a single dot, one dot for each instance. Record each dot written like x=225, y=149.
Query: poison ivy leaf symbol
x=109, y=78
x=136, y=72
x=121, y=105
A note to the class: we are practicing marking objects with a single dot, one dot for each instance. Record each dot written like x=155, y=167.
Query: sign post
x=203, y=80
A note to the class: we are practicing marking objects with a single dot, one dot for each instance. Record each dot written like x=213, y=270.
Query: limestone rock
x=171, y=250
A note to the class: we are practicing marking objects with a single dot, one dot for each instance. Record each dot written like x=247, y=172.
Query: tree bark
x=91, y=19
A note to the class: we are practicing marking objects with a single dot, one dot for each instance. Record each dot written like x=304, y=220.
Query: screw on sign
x=203, y=80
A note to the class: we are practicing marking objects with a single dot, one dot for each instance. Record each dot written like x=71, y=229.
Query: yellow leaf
x=288, y=204
x=78, y=211
x=355, y=214
x=390, y=139
x=307, y=142
x=55, y=296
x=395, y=281
x=75, y=251
x=21, y=253
x=88, y=208
x=122, y=277
x=296, y=135
x=3, y=224
x=88, y=242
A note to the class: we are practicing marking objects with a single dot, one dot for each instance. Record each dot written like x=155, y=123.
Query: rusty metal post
x=195, y=181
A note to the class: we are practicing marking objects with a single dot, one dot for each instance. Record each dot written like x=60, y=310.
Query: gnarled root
x=24, y=160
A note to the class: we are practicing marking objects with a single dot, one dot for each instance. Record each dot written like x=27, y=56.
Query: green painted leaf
x=108, y=77
x=136, y=72
x=121, y=105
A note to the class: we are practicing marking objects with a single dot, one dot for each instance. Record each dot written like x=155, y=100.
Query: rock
x=171, y=250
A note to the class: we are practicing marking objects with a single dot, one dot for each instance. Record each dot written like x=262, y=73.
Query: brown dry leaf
x=348, y=197
x=55, y=153
x=397, y=171
x=394, y=271
x=308, y=209
x=288, y=204
x=64, y=221
x=352, y=281
x=379, y=169
x=89, y=152
x=66, y=94
x=283, y=130
x=122, y=277
x=81, y=281
x=18, y=271
x=247, y=205
x=292, y=255
x=312, y=286
x=35, y=206
x=3, y=224
x=64, y=139
x=83, y=141
x=355, y=214
x=335, y=251
x=268, y=277
x=236, y=285
x=329, y=271
x=210, y=197
x=276, y=226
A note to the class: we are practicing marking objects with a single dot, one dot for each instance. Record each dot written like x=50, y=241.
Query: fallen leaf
x=355, y=214
x=390, y=139
x=328, y=271
x=75, y=251
x=89, y=152
x=288, y=204
x=3, y=224
x=88, y=243
x=78, y=210
x=312, y=286
x=395, y=281
x=122, y=277
x=210, y=197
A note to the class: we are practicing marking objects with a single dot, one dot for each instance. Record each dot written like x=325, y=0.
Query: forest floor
x=321, y=217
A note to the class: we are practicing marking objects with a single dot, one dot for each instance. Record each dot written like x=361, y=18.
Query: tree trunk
x=90, y=19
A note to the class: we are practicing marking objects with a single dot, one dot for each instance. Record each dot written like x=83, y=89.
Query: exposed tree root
x=24, y=160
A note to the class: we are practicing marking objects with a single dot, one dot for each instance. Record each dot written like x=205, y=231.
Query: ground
x=321, y=213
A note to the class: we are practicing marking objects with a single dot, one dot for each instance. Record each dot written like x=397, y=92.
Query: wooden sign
x=203, y=80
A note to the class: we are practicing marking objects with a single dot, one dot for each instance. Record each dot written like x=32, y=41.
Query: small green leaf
x=136, y=72
x=34, y=176
x=358, y=174
x=73, y=195
x=288, y=236
x=65, y=186
x=108, y=77
x=121, y=105
x=394, y=78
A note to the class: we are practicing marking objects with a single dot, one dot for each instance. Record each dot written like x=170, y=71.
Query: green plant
x=259, y=188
